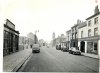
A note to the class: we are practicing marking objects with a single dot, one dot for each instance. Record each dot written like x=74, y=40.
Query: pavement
x=12, y=62
x=91, y=55
x=88, y=55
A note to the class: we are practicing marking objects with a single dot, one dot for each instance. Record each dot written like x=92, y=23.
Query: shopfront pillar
x=99, y=48
x=79, y=45
x=85, y=46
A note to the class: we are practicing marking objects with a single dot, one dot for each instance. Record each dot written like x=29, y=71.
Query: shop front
x=89, y=44
x=10, y=38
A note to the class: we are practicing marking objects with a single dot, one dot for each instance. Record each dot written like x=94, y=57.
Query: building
x=10, y=38
x=60, y=39
x=32, y=39
x=82, y=30
x=68, y=38
x=74, y=36
x=89, y=34
x=41, y=41
x=23, y=43
x=93, y=28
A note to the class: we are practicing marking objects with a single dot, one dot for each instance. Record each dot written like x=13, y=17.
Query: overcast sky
x=47, y=16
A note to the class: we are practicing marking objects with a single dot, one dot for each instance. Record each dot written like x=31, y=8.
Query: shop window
x=5, y=40
x=90, y=46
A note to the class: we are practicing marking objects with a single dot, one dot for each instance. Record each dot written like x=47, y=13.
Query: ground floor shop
x=10, y=40
x=74, y=43
x=89, y=45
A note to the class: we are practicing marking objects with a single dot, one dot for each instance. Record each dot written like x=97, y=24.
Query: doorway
x=82, y=47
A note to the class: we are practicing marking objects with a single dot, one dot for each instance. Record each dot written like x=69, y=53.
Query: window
x=89, y=23
x=81, y=34
x=89, y=32
x=72, y=35
x=96, y=20
x=95, y=31
x=5, y=42
x=75, y=35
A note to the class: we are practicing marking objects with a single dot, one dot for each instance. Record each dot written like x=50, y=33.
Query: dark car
x=36, y=48
x=64, y=47
x=58, y=46
x=74, y=50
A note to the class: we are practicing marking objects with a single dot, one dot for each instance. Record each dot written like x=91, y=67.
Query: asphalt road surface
x=52, y=60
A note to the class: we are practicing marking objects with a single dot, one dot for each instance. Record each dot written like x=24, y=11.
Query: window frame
x=89, y=23
x=89, y=32
x=96, y=20
x=95, y=29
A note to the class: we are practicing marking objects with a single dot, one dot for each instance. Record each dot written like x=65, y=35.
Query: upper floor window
x=81, y=34
x=89, y=32
x=75, y=35
x=73, y=30
x=89, y=23
x=96, y=20
x=95, y=31
x=72, y=35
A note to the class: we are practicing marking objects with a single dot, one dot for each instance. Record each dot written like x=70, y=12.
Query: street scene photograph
x=50, y=35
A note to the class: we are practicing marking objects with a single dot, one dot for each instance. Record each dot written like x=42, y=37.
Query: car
x=74, y=50
x=58, y=47
x=36, y=48
x=70, y=50
x=64, y=46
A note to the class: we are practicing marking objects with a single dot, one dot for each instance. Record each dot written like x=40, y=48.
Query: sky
x=47, y=16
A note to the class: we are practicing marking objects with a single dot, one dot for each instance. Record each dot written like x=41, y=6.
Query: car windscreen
x=36, y=45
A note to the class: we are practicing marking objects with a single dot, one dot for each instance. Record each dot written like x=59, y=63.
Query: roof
x=74, y=26
x=11, y=29
x=83, y=24
x=93, y=16
x=9, y=21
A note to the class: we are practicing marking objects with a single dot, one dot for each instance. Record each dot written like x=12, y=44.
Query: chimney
x=78, y=21
x=96, y=10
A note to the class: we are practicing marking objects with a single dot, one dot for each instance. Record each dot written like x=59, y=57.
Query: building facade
x=60, y=39
x=82, y=34
x=10, y=38
x=68, y=38
x=74, y=36
x=89, y=34
x=32, y=39
x=24, y=43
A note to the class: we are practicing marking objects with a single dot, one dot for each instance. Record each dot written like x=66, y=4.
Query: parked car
x=74, y=50
x=58, y=46
x=70, y=50
x=36, y=48
x=64, y=46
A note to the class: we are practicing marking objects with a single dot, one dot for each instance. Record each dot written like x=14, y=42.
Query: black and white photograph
x=50, y=36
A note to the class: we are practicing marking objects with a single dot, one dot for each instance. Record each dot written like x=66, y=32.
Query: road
x=52, y=60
